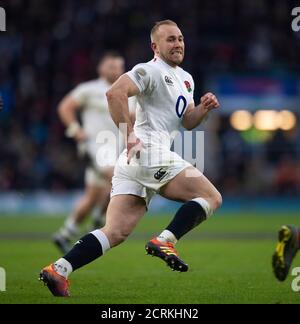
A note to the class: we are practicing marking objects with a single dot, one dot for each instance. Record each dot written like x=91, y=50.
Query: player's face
x=169, y=44
x=112, y=68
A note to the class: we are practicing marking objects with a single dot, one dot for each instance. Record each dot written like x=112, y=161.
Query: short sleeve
x=190, y=85
x=142, y=76
x=79, y=94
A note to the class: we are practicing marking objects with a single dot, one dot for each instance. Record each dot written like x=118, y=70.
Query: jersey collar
x=162, y=62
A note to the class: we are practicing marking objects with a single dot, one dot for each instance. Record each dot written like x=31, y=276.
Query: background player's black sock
x=86, y=250
x=189, y=215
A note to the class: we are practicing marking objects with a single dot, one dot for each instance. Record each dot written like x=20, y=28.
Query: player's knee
x=218, y=200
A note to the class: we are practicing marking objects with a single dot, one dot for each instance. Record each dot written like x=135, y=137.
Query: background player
x=90, y=101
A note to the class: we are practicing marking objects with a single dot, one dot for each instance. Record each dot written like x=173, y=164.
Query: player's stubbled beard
x=176, y=54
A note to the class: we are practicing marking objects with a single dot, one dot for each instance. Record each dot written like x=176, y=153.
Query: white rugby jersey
x=165, y=93
x=91, y=96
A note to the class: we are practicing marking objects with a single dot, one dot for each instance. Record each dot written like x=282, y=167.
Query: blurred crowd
x=50, y=46
x=257, y=163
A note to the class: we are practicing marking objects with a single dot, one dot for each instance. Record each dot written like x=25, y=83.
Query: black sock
x=86, y=250
x=189, y=215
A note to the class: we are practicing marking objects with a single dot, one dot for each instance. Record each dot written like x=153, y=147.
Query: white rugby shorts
x=144, y=177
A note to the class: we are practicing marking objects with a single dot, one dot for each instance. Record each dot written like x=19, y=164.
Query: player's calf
x=189, y=215
x=116, y=236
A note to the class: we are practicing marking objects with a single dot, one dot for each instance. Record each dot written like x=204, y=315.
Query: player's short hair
x=161, y=23
x=109, y=54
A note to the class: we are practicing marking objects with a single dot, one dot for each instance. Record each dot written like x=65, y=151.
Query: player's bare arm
x=195, y=115
x=67, y=113
x=117, y=98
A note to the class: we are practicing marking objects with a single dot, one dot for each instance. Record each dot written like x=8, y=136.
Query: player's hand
x=80, y=136
x=134, y=147
x=209, y=102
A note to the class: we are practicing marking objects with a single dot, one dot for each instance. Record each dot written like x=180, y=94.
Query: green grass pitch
x=229, y=258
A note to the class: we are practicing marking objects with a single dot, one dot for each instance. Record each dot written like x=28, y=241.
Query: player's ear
x=154, y=47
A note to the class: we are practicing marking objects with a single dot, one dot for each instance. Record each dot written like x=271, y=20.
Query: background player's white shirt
x=165, y=93
x=91, y=96
x=94, y=108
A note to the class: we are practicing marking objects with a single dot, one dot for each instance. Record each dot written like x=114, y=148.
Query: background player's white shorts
x=102, y=157
x=145, y=176
x=94, y=178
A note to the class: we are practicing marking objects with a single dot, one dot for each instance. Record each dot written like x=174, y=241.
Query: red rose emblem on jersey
x=188, y=86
